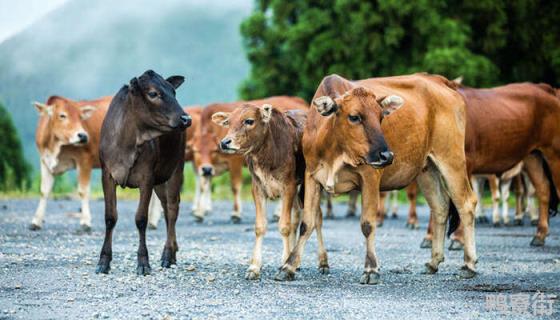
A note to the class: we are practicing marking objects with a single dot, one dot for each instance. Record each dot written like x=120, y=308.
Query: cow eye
x=249, y=122
x=152, y=94
x=354, y=118
x=62, y=116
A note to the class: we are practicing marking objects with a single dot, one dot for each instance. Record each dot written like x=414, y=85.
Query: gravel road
x=49, y=274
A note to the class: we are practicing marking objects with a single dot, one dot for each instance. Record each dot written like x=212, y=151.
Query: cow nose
x=386, y=157
x=224, y=144
x=207, y=171
x=83, y=137
x=186, y=120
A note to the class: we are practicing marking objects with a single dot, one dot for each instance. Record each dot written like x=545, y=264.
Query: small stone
x=211, y=278
x=213, y=238
x=191, y=268
x=70, y=300
x=18, y=286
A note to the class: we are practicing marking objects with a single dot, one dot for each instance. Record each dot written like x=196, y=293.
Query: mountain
x=86, y=49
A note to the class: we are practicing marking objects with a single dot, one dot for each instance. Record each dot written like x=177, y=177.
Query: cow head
x=155, y=105
x=65, y=120
x=357, y=117
x=205, y=150
x=247, y=127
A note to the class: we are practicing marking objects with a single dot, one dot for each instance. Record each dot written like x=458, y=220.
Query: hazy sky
x=16, y=15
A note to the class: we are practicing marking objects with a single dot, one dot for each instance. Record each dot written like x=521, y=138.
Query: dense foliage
x=292, y=45
x=14, y=170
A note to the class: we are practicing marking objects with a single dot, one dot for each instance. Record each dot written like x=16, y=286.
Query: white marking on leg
x=155, y=210
x=504, y=190
x=47, y=181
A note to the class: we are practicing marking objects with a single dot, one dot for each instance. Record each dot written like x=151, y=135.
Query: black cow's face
x=155, y=102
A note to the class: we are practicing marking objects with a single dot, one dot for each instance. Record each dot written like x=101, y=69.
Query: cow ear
x=221, y=119
x=458, y=80
x=390, y=104
x=176, y=81
x=87, y=111
x=325, y=105
x=43, y=109
x=266, y=112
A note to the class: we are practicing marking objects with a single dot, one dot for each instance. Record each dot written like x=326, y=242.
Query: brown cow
x=67, y=137
x=360, y=127
x=209, y=161
x=270, y=139
x=514, y=123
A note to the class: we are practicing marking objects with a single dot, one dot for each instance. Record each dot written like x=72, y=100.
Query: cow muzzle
x=227, y=145
x=207, y=171
x=381, y=159
x=80, y=138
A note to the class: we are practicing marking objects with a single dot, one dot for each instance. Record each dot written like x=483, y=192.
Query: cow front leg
x=254, y=270
x=311, y=205
x=352, y=204
x=285, y=221
x=110, y=196
x=504, y=191
x=47, y=182
x=204, y=205
x=141, y=220
x=84, y=177
x=370, y=203
x=171, y=192
x=236, y=181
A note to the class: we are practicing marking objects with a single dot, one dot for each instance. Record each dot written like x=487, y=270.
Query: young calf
x=271, y=142
x=143, y=146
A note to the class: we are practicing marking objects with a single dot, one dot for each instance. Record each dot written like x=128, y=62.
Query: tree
x=14, y=170
x=292, y=45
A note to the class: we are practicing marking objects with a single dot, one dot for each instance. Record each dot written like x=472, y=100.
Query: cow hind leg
x=504, y=192
x=412, y=195
x=494, y=186
x=352, y=204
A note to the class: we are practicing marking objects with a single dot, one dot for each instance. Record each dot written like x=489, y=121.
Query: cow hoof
x=152, y=226
x=285, y=275
x=496, y=224
x=535, y=222
x=429, y=269
x=329, y=217
x=275, y=219
x=324, y=269
x=466, y=273
x=380, y=224
x=252, y=275
x=198, y=219
x=350, y=214
x=370, y=278
x=235, y=219
x=34, y=227
x=518, y=222
x=455, y=245
x=412, y=226
x=143, y=270
x=85, y=228
x=103, y=268
x=394, y=216
x=536, y=242
x=426, y=244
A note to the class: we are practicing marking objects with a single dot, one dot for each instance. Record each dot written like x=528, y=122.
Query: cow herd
x=367, y=137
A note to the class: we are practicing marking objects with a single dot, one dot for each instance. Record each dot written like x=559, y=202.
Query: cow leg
x=322, y=252
x=535, y=171
x=173, y=199
x=504, y=191
x=352, y=204
x=310, y=209
x=141, y=220
x=476, y=189
x=519, y=200
x=412, y=195
x=111, y=217
x=494, y=185
x=254, y=270
x=297, y=211
x=427, y=241
x=330, y=213
x=370, y=206
x=84, y=177
x=530, y=194
x=462, y=196
x=47, y=182
x=380, y=212
x=430, y=182
x=204, y=204
x=236, y=180
x=277, y=212
x=285, y=222
x=154, y=212
x=197, y=194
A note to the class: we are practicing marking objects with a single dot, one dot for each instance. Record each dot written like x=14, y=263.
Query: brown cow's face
x=357, y=125
x=247, y=127
x=65, y=121
x=205, y=151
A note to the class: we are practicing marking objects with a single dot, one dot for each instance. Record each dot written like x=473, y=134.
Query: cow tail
x=454, y=219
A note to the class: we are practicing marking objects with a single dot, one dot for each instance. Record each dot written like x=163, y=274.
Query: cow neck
x=269, y=154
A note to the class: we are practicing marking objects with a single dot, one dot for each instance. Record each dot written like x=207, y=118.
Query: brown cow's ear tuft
x=43, y=109
x=390, y=104
x=87, y=111
x=176, y=81
x=221, y=119
x=325, y=105
x=266, y=112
